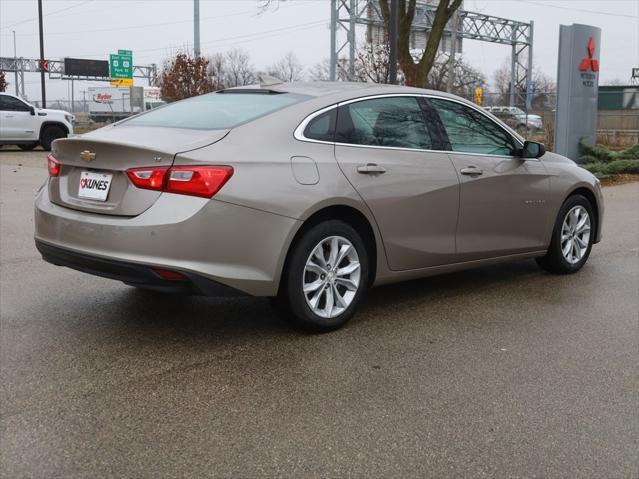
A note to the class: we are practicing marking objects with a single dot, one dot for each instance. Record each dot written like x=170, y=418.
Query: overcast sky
x=154, y=29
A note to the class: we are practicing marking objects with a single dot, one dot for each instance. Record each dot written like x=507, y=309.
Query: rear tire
x=572, y=237
x=27, y=146
x=318, y=296
x=50, y=134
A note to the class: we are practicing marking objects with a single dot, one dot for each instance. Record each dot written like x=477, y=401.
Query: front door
x=503, y=198
x=413, y=194
x=16, y=120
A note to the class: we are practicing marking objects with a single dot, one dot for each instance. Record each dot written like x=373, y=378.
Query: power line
x=48, y=14
x=237, y=37
x=162, y=24
x=573, y=9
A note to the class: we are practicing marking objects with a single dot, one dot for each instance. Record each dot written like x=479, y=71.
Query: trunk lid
x=112, y=151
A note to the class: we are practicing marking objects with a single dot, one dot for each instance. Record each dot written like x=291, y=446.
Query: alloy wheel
x=575, y=234
x=331, y=276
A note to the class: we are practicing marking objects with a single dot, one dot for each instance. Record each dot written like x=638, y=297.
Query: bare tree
x=238, y=71
x=544, y=87
x=216, y=70
x=466, y=78
x=320, y=71
x=417, y=73
x=3, y=81
x=372, y=64
x=184, y=77
x=288, y=68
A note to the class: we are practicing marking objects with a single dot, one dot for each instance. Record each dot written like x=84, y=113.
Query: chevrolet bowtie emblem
x=87, y=155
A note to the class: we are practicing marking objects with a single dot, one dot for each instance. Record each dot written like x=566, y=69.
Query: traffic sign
x=121, y=68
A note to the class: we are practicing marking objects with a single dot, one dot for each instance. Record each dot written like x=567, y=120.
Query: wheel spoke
x=339, y=297
x=334, y=251
x=314, y=286
x=315, y=268
x=566, y=249
x=315, y=299
x=318, y=253
x=330, y=302
x=581, y=242
x=347, y=283
x=344, y=250
x=576, y=251
x=349, y=269
x=582, y=222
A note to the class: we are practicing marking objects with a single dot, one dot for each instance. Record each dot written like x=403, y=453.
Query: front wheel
x=572, y=237
x=324, y=278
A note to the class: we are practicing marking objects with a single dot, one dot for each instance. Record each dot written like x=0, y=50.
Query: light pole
x=44, y=92
x=15, y=62
x=196, y=28
x=392, y=57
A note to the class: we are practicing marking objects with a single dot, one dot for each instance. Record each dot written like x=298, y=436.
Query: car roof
x=341, y=90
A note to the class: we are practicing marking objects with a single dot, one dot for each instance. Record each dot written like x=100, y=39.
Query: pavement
x=504, y=371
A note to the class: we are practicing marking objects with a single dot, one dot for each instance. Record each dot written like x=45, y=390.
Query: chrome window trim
x=299, y=131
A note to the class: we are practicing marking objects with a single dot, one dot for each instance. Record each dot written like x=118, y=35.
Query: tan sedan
x=310, y=193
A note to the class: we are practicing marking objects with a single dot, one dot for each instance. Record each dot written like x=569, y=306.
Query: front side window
x=471, y=131
x=391, y=122
x=9, y=103
x=216, y=110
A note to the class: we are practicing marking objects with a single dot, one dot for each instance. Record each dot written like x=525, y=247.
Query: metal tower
x=346, y=15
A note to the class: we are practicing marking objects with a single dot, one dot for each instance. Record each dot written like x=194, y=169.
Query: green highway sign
x=121, y=68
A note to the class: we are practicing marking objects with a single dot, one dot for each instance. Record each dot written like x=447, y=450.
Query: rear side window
x=216, y=111
x=322, y=127
x=391, y=122
x=470, y=131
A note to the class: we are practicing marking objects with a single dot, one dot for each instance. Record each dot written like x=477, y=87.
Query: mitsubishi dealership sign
x=577, y=85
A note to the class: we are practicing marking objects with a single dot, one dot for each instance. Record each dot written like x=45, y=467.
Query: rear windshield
x=215, y=111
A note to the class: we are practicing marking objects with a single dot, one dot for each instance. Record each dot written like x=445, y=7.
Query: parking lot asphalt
x=504, y=371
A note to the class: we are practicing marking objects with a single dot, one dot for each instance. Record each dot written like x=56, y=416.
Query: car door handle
x=371, y=168
x=471, y=171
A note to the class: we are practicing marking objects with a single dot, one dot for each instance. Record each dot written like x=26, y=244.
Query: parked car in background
x=310, y=193
x=27, y=126
x=517, y=118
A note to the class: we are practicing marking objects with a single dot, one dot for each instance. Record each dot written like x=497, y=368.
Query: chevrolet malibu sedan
x=310, y=193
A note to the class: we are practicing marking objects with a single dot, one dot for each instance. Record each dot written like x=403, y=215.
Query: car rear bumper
x=235, y=246
x=133, y=274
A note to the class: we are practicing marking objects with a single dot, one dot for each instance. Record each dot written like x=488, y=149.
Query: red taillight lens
x=148, y=178
x=202, y=181
x=53, y=165
x=171, y=275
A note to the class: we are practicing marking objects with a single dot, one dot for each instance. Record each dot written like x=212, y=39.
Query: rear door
x=503, y=198
x=386, y=150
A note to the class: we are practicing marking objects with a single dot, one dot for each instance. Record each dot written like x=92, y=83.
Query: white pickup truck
x=25, y=125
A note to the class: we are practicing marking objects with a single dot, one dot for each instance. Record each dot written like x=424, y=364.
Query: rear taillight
x=148, y=178
x=53, y=165
x=202, y=181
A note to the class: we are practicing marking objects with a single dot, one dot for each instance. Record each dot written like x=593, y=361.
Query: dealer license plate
x=94, y=186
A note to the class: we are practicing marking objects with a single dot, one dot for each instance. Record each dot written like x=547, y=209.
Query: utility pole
x=15, y=62
x=44, y=92
x=392, y=56
x=450, y=78
x=196, y=28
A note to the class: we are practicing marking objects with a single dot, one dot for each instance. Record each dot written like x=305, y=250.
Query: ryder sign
x=577, y=85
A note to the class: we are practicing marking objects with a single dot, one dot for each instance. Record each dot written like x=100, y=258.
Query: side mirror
x=32, y=110
x=532, y=149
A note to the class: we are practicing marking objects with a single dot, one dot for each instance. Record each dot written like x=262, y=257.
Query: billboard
x=86, y=68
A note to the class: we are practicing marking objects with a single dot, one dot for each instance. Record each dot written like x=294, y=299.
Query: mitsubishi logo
x=589, y=63
x=87, y=155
